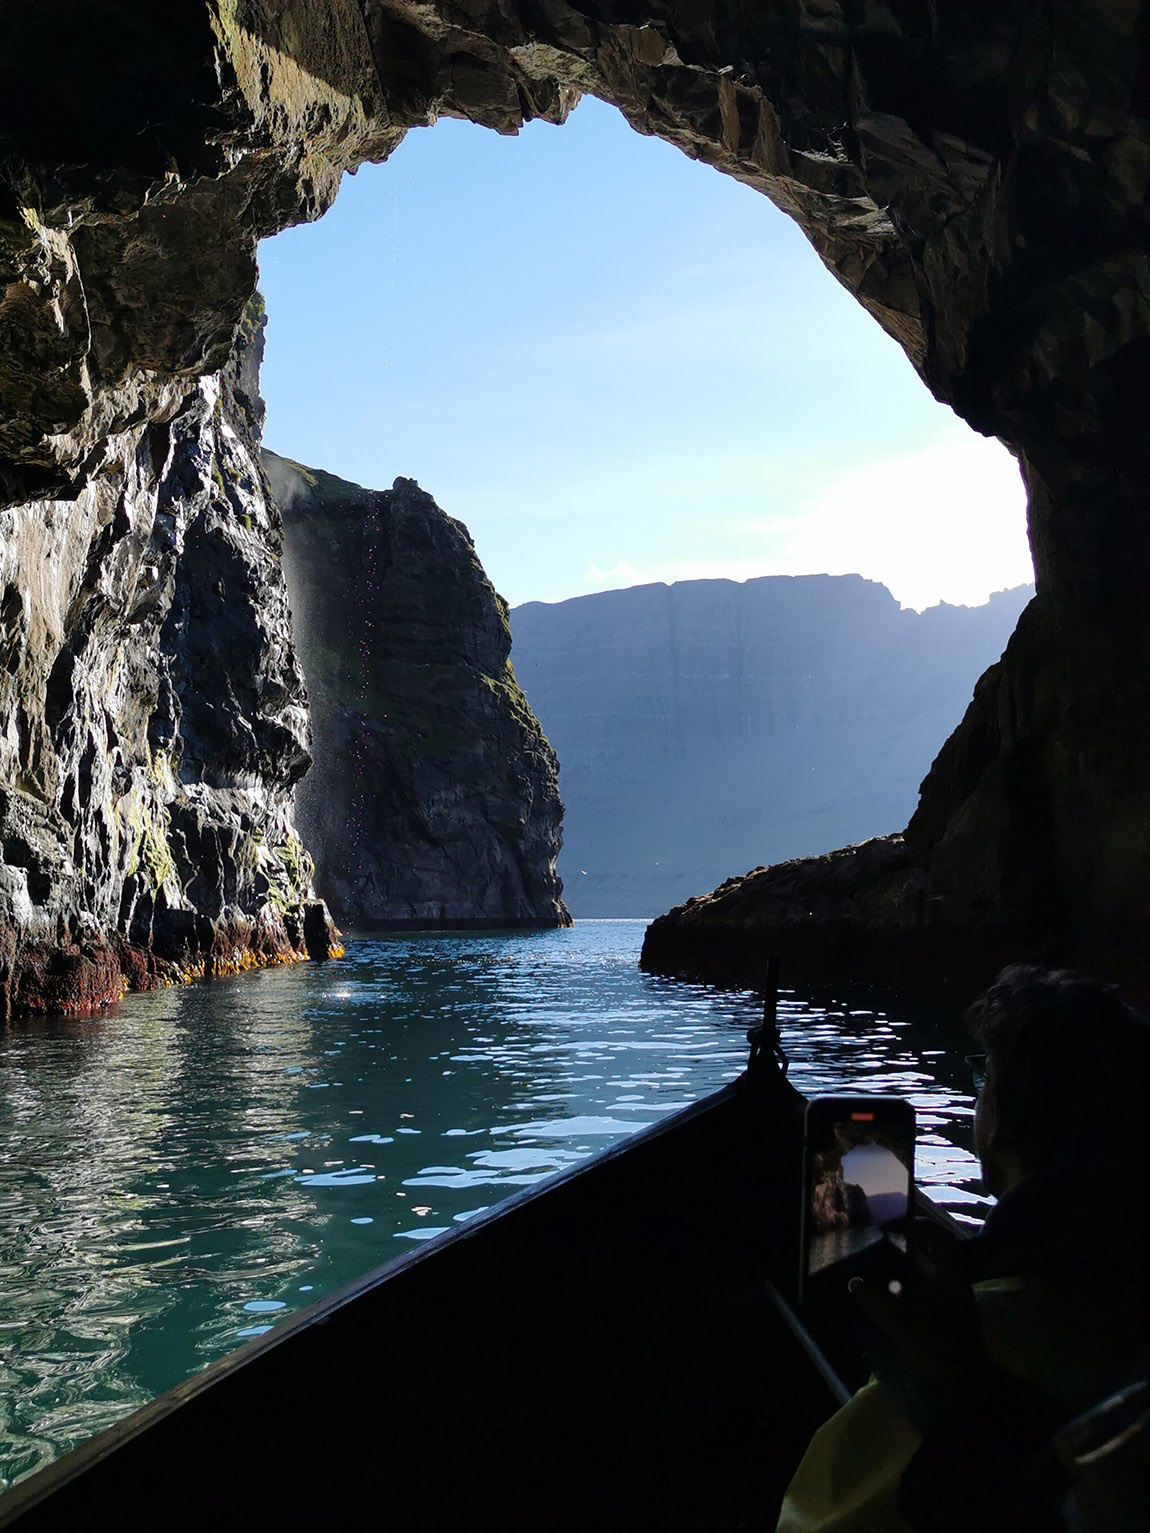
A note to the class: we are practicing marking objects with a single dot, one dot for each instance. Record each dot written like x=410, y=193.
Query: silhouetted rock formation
x=850, y=914
x=434, y=796
x=975, y=175
x=711, y=724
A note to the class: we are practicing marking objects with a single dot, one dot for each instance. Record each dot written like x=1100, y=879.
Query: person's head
x=1068, y=1076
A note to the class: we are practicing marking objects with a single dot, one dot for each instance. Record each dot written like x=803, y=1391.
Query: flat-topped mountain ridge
x=709, y=726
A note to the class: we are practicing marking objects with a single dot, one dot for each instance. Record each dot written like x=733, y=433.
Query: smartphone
x=857, y=1191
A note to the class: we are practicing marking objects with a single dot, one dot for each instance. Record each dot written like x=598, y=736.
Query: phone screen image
x=860, y=1164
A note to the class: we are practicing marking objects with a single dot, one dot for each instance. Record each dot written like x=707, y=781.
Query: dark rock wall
x=154, y=717
x=975, y=174
x=434, y=796
x=714, y=724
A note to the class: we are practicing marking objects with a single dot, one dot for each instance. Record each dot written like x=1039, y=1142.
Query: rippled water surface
x=180, y=1172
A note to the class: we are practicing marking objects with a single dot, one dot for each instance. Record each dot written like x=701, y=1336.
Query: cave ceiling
x=972, y=173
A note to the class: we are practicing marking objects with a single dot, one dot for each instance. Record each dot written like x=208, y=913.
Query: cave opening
x=616, y=366
x=980, y=193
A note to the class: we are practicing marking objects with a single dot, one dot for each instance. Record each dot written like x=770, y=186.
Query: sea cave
x=977, y=183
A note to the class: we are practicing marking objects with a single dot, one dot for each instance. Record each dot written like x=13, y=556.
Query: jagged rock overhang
x=973, y=179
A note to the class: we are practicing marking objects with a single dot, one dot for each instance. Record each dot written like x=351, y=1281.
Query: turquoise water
x=184, y=1170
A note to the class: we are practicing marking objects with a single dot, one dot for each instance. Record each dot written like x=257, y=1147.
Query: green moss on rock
x=435, y=793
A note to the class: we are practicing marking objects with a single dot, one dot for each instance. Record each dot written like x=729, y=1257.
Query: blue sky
x=616, y=365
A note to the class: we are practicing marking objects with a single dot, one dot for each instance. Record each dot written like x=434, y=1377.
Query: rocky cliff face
x=709, y=725
x=434, y=797
x=154, y=719
x=975, y=175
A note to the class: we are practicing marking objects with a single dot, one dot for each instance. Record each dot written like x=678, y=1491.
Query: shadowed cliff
x=711, y=725
x=434, y=795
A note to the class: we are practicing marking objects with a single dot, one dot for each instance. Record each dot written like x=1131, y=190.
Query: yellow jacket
x=1074, y=1334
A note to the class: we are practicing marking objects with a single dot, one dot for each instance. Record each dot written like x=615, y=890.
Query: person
x=998, y=1341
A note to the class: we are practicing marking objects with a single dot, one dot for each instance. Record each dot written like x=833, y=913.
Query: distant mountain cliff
x=707, y=727
x=434, y=794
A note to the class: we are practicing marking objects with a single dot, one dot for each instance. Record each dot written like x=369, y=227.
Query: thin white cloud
x=947, y=523
x=615, y=578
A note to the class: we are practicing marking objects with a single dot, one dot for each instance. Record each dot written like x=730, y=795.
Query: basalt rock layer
x=976, y=175
x=434, y=797
x=154, y=718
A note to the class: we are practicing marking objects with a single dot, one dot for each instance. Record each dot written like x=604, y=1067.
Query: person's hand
x=923, y=1340
x=937, y=1256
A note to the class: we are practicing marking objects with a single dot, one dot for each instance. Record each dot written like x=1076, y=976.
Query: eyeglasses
x=979, y=1064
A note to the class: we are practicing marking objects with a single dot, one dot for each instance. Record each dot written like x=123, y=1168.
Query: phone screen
x=859, y=1174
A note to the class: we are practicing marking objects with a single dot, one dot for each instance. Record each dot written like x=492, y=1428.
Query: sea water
x=185, y=1170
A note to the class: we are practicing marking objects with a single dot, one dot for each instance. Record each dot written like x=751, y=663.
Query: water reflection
x=184, y=1172
x=916, y=1054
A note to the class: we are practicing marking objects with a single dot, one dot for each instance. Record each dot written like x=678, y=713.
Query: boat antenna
x=765, y=1040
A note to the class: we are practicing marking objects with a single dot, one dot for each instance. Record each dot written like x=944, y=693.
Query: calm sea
x=188, y=1168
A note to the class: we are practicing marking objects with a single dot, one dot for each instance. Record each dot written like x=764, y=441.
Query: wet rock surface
x=976, y=176
x=434, y=797
x=154, y=719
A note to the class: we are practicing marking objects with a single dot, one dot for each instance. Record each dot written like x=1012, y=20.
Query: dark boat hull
x=598, y=1353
